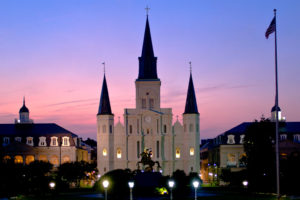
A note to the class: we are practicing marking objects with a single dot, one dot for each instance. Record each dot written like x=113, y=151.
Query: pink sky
x=51, y=52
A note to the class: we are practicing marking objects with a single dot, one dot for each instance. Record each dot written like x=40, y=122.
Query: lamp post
x=245, y=183
x=196, y=184
x=131, y=185
x=105, y=185
x=52, y=185
x=171, y=185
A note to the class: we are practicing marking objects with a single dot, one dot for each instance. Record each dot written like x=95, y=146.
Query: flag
x=272, y=28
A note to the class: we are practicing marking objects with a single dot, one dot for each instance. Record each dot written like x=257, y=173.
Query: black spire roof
x=191, y=103
x=23, y=108
x=104, y=106
x=274, y=108
x=147, y=61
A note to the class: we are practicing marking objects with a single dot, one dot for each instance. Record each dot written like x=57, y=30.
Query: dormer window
x=242, y=137
x=297, y=138
x=42, y=141
x=230, y=139
x=5, y=140
x=18, y=139
x=29, y=141
x=65, y=141
x=53, y=141
x=283, y=136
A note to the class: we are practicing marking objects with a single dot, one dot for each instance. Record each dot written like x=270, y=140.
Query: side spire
x=191, y=102
x=104, y=106
x=147, y=61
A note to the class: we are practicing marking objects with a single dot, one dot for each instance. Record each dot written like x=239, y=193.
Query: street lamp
x=105, y=184
x=52, y=185
x=131, y=185
x=171, y=185
x=245, y=184
x=196, y=184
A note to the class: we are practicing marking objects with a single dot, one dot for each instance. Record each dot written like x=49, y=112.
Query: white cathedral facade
x=148, y=126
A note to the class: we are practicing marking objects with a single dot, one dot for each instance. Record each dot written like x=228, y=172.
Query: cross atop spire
x=103, y=67
x=190, y=67
x=147, y=10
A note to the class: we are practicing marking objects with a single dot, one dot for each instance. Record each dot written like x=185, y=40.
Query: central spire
x=191, y=102
x=147, y=61
x=104, y=106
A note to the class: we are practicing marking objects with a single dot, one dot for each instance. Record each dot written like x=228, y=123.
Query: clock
x=148, y=119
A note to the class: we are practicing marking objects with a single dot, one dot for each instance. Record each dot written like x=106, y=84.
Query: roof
x=147, y=61
x=191, y=103
x=39, y=129
x=104, y=105
x=24, y=108
x=274, y=108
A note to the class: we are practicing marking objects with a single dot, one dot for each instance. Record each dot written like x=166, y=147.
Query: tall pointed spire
x=147, y=61
x=24, y=108
x=191, y=102
x=104, y=106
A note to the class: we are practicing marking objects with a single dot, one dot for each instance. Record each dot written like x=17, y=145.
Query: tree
x=260, y=155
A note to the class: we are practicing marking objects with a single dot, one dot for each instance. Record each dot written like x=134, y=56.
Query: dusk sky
x=51, y=53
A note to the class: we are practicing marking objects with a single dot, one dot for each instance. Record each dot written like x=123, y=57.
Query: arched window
x=230, y=139
x=177, y=154
x=29, y=141
x=283, y=136
x=54, y=141
x=119, y=153
x=18, y=139
x=65, y=141
x=103, y=129
x=5, y=140
x=42, y=141
x=157, y=149
x=165, y=128
x=191, y=129
x=297, y=137
x=43, y=158
x=54, y=160
x=138, y=149
x=6, y=158
x=130, y=129
x=104, y=152
x=29, y=159
x=192, y=151
x=18, y=159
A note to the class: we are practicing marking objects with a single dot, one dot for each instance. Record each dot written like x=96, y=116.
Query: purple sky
x=51, y=52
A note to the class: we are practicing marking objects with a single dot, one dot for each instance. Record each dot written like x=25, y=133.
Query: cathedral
x=148, y=126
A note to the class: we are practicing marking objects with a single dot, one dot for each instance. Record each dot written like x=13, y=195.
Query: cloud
x=71, y=102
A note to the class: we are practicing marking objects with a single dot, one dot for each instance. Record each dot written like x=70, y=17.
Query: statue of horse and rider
x=147, y=161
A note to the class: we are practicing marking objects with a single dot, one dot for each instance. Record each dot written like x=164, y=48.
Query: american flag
x=271, y=28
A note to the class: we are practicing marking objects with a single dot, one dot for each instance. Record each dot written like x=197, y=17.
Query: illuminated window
x=66, y=141
x=54, y=141
x=231, y=160
x=192, y=151
x=5, y=140
x=230, y=139
x=43, y=158
x=119, y=153
x=18, y=139
x=177, y=155
x=103, y=129
x=242, y=137
x=54, y=160
x=29, y=159
x=283, y=136
x=66, y=159
x=6, y=158
x=18, y=159
x=29, y=141
x=42, y=141
x=104, y=152
x=297, y=138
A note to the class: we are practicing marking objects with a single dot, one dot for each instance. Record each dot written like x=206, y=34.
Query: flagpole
x=276, y=106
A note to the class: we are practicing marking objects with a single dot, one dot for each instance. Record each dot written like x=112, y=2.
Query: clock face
x=148, y=119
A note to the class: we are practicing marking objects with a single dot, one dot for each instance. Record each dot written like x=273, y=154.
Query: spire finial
x=24, y=100
x=190, y=66
x=103, y=67
x=147, y=10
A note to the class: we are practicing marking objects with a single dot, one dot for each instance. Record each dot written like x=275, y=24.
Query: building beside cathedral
x=26, y=141
x=148, y=125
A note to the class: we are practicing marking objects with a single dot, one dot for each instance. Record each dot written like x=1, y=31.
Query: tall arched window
x=192, y=151
x=177, y=154
x=119, y=153
x=104, y=152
